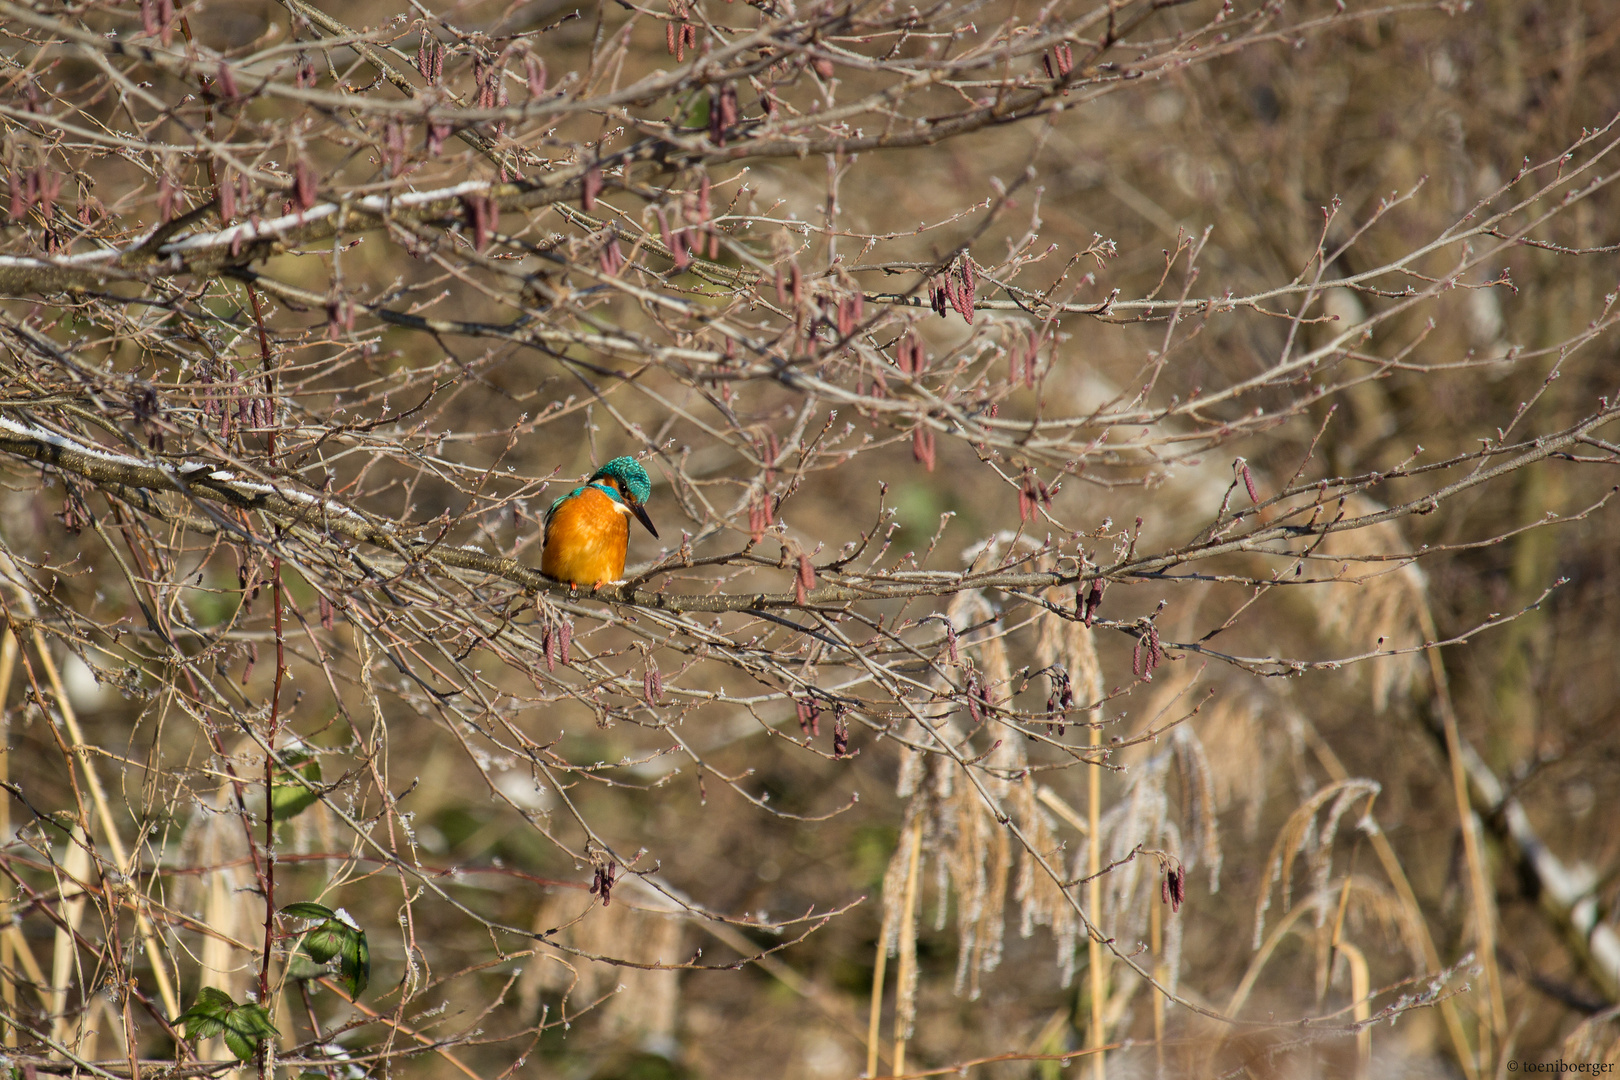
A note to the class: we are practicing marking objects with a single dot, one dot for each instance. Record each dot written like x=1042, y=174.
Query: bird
x=587, y=532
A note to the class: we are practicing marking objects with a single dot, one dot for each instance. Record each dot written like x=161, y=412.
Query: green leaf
x=354, y=966
x=246, y=1027
x=290, y=798
x=214, y=1013
x=326, y=940
x=201, y=1027
x=214, y=998
x=332, y=940
x=206, y=1017
x=239, y=1046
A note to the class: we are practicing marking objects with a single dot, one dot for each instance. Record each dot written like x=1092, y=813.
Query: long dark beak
x=641, y=515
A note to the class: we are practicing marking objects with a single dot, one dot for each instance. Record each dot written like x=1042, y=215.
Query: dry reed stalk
x=8, y=950
x=1095, y=1035
x=964, y=816
x=121, y=859
x=1070, y=646
x=1394, y=605
x=905, y=978
x=1393, y=870
x=24, y=953
x=879, y=965
x=1361, y=1010
x=1087, y=672
x=72, y=874
x=1368, y=897
x=1360, y=981
x=1156, y=943
x=214, y=838
x=1257, y=963
x=1300, y=833
x=1483, y=899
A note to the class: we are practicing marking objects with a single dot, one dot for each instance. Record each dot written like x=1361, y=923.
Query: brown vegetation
x=1134, y=600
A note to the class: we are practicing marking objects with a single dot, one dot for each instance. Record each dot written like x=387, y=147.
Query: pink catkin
x=663, y=228
x=165, y=198
x=50, y=183
x=612, y=256
x=19, y=195
x=590, y=188
x=436, y=135
x=922, y=447
x=1093, y=600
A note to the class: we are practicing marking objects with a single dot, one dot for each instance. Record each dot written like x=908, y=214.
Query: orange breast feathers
x=586, y=539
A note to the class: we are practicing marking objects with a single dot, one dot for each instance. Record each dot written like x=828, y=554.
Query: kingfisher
x=587, y=531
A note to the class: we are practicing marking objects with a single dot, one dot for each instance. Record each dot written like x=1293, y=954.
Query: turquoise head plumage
x=633, y=481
